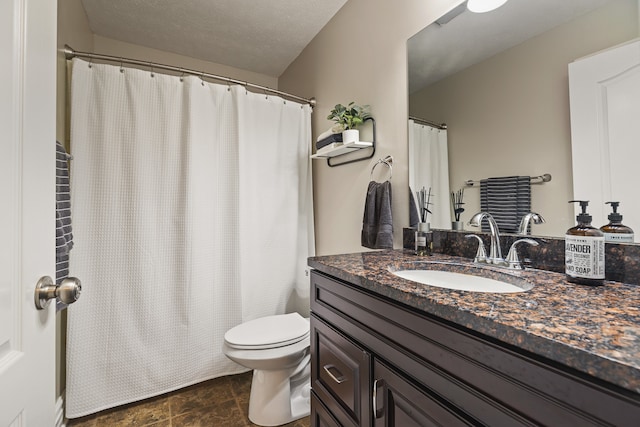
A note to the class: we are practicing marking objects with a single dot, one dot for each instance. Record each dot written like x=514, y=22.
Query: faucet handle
x=534, y=217
x=512, y=257
x=481, y=254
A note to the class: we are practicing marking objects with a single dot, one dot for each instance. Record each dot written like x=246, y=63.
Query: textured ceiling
x=255, y=35
x=468, y=38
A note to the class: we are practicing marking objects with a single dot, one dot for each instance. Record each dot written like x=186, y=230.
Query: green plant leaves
x=351, y=116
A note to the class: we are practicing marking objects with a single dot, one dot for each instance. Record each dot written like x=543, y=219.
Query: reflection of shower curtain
x=429, y=168
x=192, y=213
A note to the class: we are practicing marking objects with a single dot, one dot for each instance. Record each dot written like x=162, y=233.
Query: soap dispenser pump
x=584, y=250
x=615, y=231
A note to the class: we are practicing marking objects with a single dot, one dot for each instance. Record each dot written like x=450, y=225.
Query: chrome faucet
x=524, y=223
x=495, y=253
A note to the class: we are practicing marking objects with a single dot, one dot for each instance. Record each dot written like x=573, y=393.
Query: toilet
x=277, y=349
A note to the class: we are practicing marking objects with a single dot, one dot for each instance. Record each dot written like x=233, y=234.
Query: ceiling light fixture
x=481, y=6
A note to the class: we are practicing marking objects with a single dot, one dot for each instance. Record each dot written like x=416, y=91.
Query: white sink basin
x=463, y=282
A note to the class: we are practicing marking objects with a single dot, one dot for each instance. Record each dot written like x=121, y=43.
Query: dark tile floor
x=222, y=402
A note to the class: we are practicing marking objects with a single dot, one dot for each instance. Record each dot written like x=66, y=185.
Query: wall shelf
x=343, y=149
x=350, y=148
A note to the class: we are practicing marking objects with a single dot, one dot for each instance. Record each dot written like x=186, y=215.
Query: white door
x=605, y=129
x=27, y=212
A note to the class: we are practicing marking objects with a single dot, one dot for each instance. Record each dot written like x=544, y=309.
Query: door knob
x=68, y=291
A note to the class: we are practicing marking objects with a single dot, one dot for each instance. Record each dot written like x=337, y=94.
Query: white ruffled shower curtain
x=429, y=168
x=192, y=213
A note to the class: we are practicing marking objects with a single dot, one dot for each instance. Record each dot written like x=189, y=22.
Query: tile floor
x=221, y=402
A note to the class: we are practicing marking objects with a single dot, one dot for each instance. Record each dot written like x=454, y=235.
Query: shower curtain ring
x=246, y=90
x=151, y=66
x=121, y=67
x=228, y=85
x=181, y=75
x=202, y=78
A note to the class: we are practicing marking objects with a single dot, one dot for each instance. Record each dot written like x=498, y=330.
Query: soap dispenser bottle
x=584, y=250
x=615, y=231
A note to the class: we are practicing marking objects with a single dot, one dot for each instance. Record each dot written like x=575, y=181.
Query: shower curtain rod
x=428, y=123
x=69, y=53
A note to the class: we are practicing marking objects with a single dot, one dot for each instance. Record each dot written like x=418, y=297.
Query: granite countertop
x=595, y=330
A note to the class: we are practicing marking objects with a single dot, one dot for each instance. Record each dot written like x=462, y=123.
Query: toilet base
x=279, y=398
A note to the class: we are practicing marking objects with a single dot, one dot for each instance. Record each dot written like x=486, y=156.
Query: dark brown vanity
x=388, y=351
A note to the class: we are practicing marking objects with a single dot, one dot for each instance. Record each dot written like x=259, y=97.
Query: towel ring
x=388, y=161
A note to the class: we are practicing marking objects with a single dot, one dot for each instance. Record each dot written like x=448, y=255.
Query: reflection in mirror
x=604, y=91
x=499, y=80
x=429, y=174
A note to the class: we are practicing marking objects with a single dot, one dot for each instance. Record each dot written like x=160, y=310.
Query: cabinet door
x=399, y=403
x=320, y=415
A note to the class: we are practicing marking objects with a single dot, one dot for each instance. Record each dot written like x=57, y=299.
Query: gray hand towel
x=377, y=223
x=414, y=215
x=507, y=199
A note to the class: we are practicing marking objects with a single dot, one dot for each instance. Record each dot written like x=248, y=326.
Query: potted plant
x=349, y=118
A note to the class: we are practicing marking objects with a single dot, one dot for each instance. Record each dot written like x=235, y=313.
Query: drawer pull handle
x=337, y=378
x=377, y=412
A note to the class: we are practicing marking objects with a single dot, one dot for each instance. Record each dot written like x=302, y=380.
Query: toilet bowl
x=277, y=349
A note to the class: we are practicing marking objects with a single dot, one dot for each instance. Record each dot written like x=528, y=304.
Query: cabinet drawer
x=340, y=372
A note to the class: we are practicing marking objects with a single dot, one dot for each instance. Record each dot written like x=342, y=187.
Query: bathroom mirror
x=499, y=81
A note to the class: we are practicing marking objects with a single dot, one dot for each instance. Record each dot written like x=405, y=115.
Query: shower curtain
x=192, y=213
x=429, y=168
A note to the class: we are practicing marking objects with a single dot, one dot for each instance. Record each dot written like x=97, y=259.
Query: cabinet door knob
x=339, y=378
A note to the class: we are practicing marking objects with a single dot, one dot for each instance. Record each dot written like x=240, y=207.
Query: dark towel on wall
x=334, y=137
x=377, y=223
x=414, y=215
x=507, y=199
x=64, y=237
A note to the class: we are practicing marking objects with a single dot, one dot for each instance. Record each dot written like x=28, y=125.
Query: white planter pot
x=350, y=135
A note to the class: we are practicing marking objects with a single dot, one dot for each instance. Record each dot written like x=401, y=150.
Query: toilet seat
x=268, y=332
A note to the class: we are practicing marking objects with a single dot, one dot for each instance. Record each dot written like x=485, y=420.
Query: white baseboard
x=60, y=420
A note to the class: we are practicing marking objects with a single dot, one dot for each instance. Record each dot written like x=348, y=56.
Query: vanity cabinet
x=377, y=362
